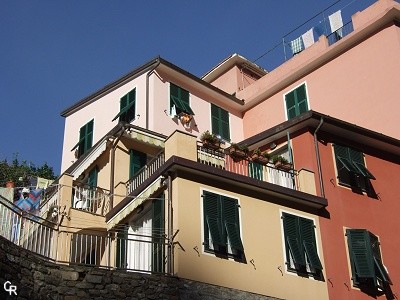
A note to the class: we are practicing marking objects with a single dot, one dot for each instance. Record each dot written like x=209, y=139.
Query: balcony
x=78, y=196
x=145, y=173
x=89, y=199
x=245, y=167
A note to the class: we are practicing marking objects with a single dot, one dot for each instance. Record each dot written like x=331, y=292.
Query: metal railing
x=126, y=249
x=275, y=57
x=246, y=167
x=50, y=198
x=91, y=199
x=340, y=33
x=145, y=172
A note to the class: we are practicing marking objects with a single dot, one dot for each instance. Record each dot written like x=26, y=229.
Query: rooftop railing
x=340, y=33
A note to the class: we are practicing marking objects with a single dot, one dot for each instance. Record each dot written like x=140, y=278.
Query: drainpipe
x=114, y=146
x=170, y=266
x=147, y=90
x=321, y=183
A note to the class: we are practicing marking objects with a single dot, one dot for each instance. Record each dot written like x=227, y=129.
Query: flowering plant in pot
x=261, y=157
x=281, y=163
x=238, y=151
x=210, y=140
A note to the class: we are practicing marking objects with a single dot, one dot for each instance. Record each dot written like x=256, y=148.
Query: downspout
x=114, y=146
x=170, y=259
x=148, y=89
x=321, y=183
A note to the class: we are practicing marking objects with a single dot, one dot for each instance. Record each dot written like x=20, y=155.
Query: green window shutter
x=137, y=161
x=127, y=107
x=290, y=105
x=215, y=119
x=212, y=219
x=230, y=210
x=225, y=134
x=158, y=234
x=301, y=99
x=123, y=102
x=376, y=252
x=296, y=102
x=220, y=122
x=361, y=254
x=307, y=233
x=350, y=160
x=255, y=170
x=180, y=98
x=292, y=239
x=85, y=138
x=92, y=179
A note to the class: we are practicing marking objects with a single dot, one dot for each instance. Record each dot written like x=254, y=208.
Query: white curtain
x=139, y=252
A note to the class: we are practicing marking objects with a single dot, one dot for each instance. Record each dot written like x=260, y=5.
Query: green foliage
x=279, y=158
x=17, y=170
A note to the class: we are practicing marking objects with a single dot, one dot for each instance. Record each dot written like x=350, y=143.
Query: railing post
x=19, y=230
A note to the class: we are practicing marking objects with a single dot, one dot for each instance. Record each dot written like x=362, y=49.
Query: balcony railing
x=245, y=167
x=144, y=173
x=340, y=33
x=130, y=249
x=92, y=200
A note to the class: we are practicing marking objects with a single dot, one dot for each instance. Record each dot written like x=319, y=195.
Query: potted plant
x=210, y=140
x=261, y=157
x=238, y=151
x=281, y=163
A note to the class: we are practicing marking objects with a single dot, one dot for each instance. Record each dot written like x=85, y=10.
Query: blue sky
x=54, y=53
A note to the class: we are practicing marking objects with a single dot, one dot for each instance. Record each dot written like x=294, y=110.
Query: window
x=85, y=139
x=300, y=245
x=296, y=102
x=350, y=167
x=179, y=101
x=366, y=261
x=221, y=225
x=220, y=122
x=137, y=161
x=92, y=179
x=127, y=107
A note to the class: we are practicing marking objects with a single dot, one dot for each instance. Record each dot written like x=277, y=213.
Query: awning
x=92, y=156
x=142, y=137
x=130, y=207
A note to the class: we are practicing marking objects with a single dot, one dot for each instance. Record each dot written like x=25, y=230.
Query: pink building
x=302, y=206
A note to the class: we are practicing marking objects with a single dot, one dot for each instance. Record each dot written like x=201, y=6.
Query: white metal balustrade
x=145, y=172
x=108, y=249
x=245, y=167
x=93, y=200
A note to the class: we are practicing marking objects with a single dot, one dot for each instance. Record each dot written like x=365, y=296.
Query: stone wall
x=37, y=278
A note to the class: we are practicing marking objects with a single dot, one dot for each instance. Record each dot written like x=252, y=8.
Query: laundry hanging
x=308, y=38
x=336, y=23
x=296, y=45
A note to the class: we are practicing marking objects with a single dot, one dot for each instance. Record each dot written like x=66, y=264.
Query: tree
x=20, y=172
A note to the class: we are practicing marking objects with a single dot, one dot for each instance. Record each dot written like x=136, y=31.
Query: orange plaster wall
x=348, y=209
